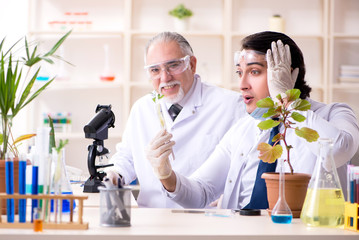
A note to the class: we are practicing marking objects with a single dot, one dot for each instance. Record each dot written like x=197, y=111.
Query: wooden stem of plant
x=285, y=142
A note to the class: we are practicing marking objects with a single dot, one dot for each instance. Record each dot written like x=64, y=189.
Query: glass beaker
x=115, y=207
x=281, y=212
x=324, y=202
x=60, y=183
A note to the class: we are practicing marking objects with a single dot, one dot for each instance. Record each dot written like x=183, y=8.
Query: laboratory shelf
x=346, y=35
x=321, y=28
x=347, y=86
x=102, y=34
x=79, y=135
x=292, y=35
x=186, y=33
x=65, y=85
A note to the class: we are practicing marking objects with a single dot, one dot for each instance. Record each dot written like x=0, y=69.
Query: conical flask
x=281, y=212
x=60, y=182
x=324, y=202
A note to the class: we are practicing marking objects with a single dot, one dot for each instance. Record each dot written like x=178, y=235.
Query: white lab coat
x=206, y=116
x=232, y=167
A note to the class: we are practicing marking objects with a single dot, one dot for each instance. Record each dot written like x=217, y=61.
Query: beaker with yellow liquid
x=324, y=203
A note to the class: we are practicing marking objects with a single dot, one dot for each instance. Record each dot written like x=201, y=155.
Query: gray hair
x=169, y=37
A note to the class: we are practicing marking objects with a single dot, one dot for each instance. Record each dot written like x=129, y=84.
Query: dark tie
x=259, y=195
x=174, y=110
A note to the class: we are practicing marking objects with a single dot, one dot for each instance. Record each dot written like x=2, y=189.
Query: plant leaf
x=156, y=96
x=292, y=94
x=62, y=145
x=267, y=124
x=52, y=143
x=22, y=138
x=301, y=105
x=265, y=103
x=34, y=95
x=297, y=117
x=279, y=97
x=307, y=133
x=277, y=137
x=268, y=153
x=271, y=112
x=57, y=44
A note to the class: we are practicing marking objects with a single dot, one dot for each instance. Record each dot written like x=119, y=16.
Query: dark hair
x=262, y=42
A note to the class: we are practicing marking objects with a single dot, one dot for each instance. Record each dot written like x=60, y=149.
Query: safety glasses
x=249, y=56
x=172, y=67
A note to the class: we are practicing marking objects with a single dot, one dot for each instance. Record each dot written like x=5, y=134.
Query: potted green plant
x=286, y=110
x=17, y=91
x=181, y=15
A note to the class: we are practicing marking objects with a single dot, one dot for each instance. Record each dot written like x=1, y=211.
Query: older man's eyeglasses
x=172, y=67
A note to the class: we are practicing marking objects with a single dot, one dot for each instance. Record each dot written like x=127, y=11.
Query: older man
x=202, y=115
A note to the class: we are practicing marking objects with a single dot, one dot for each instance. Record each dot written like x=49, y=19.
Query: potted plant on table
x=181, y=16
x=16, y=92
x=286, y=111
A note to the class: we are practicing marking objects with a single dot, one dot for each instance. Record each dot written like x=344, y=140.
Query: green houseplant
x=287, y=112
x=17, y=91
x=181, y=16
x=181, y=12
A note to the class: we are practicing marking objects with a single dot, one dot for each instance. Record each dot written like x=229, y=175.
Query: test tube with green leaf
x=156, y=97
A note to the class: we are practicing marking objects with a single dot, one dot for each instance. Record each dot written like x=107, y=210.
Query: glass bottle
x=281, y=212
x=107, y=74
x=276, y=23
x=324, y=202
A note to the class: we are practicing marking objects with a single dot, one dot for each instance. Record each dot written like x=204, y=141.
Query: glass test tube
x=22, y=188
x=9, y=175
x=34, y=189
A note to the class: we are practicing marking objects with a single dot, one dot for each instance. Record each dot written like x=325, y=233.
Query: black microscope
x=97, y=129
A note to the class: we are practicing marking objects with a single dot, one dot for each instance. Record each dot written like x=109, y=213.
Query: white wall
x=13, y=19
x=13, y=26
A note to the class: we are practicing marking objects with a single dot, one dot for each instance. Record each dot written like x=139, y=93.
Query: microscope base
x=92, y=184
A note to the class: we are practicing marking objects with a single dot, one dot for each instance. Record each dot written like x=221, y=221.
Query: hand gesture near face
x=279, y=74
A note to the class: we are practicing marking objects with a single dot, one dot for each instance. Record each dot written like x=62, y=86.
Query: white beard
x=173, y=99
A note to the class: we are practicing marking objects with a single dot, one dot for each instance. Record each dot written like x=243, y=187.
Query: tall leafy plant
x=15, y=91
x=285, y=111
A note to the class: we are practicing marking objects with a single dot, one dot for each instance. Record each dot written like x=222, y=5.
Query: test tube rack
x=351, y=216
x=55, y=224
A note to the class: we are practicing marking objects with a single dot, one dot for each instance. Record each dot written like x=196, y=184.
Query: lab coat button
x=193, y=112
x=230, y=181
x=242, y=154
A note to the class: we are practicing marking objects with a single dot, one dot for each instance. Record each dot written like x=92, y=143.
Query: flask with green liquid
x=324, y=202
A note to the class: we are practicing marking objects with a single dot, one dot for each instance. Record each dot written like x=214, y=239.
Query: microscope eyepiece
x=97, y=127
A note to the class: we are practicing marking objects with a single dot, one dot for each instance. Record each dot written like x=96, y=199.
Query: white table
x=164, y=224
x=150, y=223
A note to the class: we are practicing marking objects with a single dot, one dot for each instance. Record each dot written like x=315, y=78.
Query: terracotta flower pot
x=295, y=190
x=3, y=186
